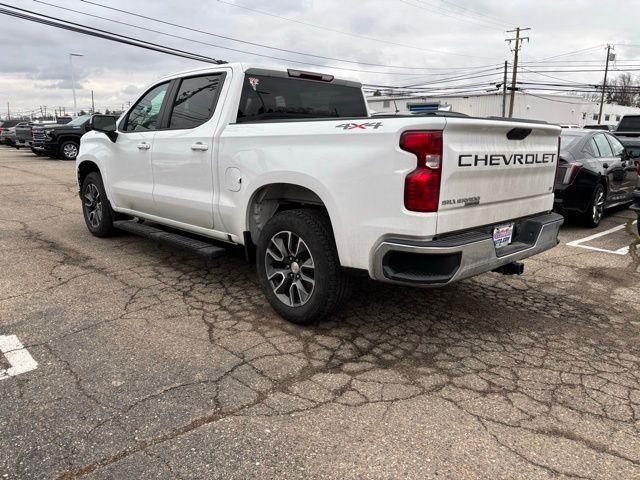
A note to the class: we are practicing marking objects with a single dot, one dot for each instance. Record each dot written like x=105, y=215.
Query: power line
x=441, y=8
x=574, y=52
x=197, y=56
x=350, y=34
x=421, y=7
x=255, y=44
x=477, y=12
x=95, y=32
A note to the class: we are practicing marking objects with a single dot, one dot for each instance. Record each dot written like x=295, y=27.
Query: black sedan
x=595, y=172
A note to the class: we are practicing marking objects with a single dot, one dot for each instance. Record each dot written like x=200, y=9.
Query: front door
x=129, y=170
x=183, y=156
x=628, y=169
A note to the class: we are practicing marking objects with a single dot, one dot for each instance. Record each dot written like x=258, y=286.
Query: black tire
x=69, y=150
x=595, y=211
x=97, y=211
x=330, y=284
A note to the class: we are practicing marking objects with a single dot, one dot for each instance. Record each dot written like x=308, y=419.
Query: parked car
x=60, y=141
x=595, y=172
x=290, y=165
x=629, y=126
x=5, y=125
x=606, y=128
x=9, y=136
x=23, y=135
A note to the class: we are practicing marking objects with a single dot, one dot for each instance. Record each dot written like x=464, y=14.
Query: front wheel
x=96, y=208
x=298, y=266
x=595, y=211
x=69, y=150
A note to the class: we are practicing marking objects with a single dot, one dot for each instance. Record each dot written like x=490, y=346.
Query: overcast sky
x=425, y=36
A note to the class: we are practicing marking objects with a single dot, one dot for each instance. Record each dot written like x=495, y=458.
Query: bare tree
x=623, y=90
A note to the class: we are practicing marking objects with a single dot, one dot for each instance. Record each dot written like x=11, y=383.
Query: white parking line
x=620, y=251
x=18, y=357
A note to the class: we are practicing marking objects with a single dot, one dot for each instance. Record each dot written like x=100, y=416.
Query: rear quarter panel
x=356, y=167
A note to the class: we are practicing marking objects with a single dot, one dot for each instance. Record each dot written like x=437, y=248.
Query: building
x=553, y=108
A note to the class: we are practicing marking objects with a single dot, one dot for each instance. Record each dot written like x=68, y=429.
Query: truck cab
x=60, y=141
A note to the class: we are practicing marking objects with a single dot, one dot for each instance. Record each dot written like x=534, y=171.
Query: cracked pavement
x=156, y=364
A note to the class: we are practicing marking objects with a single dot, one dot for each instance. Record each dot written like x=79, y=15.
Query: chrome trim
x=477, y=257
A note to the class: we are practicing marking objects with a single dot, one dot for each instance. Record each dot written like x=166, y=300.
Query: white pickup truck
x=290, y=165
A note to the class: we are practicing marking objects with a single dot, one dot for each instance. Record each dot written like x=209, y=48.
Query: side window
x=618, y=148
x=591, y=148
x=145, y=114
x=195, y=101
x=603, y=145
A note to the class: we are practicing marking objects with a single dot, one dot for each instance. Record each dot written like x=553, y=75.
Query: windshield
x=629, y=122
x=566, y=140
x=79, y=120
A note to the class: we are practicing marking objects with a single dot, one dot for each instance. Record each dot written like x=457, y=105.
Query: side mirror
x=105, y=124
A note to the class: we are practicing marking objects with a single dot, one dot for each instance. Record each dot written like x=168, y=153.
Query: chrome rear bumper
x=450, y=258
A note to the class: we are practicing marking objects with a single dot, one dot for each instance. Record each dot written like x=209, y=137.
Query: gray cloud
x=37, y=70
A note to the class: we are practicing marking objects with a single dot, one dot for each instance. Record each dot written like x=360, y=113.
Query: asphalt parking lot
x=152, y=363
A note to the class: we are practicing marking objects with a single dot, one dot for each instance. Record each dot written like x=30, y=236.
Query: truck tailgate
x=495, y=170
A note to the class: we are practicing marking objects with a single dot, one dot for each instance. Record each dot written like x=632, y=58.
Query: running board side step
x=174, y=239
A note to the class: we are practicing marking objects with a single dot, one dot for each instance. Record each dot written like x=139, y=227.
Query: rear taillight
x=557, y=167
x=422, y=186
x=570, y=173
x=638, y=166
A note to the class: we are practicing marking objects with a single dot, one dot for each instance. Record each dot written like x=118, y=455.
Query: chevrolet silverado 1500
x=290, y=165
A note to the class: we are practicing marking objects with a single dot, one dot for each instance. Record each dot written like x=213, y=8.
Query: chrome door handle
x=200, y=146
x=144, y=146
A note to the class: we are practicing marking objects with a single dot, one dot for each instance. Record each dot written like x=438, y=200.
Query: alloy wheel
x=290, y=268
x=598, y=206
x=70, y=151
x=93, y=205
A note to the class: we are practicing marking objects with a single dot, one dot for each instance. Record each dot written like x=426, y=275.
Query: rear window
x=275, y=98
x=629, y=123
x=566, y=140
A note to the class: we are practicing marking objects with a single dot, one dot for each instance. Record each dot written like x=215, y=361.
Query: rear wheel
x=595, y=211
x=69, y=150
x=298, y=266
x=96, y=208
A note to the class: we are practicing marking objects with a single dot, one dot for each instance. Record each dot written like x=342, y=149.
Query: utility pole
x=504, y=90
x=8, y=112
x=604, y=83
x=518, y=44
x=73, y=82
x=93, y=106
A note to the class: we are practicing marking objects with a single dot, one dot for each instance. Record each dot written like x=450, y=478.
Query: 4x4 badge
x=359, y=126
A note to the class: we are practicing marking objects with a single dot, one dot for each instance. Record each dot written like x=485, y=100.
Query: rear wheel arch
x=270, y=199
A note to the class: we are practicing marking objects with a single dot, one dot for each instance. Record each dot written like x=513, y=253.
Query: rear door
x=612, y=168
x=184, y=151
x=629, y=167
x=493, y=171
